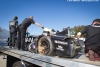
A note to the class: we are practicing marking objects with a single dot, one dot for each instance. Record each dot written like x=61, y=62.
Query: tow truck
x=18, y=58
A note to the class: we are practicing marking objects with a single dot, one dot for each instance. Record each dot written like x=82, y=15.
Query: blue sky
x=55, y=14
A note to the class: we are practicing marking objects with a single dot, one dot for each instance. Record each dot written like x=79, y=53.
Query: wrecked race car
x=56, y=43
x=52, y=42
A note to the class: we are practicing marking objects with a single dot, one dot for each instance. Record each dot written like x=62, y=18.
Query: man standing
x=13, y=26
x=22, y=31
x=92, y=43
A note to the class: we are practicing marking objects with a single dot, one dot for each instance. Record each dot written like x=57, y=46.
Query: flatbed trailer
x=29, y=59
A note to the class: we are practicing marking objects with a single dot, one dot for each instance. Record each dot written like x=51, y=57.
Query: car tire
x=45, y=43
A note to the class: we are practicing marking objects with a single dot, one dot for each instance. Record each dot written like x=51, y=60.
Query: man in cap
x=13, y=26
x=92, y=43
x=22, y=31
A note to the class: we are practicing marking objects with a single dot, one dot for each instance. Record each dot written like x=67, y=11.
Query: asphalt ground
x=2, y=61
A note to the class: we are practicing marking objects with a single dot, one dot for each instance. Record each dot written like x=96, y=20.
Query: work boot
x=10, y=47
x=91, y=55
x=96, y=57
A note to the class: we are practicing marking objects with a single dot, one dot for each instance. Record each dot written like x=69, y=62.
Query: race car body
x=65, y=46
x=59, y=44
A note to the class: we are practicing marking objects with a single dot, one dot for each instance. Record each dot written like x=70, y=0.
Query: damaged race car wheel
x=45, y=46
x=31, y=47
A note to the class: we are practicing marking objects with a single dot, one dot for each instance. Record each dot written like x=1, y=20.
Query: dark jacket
x=13, y=26
x=92, y=35
x=27, y=22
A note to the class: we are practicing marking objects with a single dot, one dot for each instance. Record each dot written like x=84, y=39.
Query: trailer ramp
x=48, y=61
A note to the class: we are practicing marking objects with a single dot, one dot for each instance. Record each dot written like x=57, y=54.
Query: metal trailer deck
x=49, y=61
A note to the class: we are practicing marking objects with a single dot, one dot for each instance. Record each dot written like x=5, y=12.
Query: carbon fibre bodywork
x=63, y=45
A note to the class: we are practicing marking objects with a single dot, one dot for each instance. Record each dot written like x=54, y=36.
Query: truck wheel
x=18, y=64
x=45, y=46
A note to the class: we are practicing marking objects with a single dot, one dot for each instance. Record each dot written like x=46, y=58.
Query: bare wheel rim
x=43, y=47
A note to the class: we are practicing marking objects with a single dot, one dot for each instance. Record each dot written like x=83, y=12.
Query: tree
x=78, y=29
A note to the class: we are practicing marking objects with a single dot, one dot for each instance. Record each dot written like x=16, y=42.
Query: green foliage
x=78, y=29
